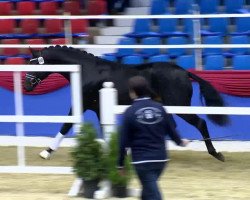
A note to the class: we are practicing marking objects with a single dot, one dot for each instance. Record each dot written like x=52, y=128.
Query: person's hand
x=185, y=142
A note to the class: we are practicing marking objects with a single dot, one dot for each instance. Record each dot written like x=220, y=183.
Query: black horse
x=170, y=82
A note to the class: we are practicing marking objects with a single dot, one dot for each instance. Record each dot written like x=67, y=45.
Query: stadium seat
x=79, y=27
x=216, y=26
x=208, y=6
x=14, y=61
x=159, y=7
x=214, y=62
x=109, y=57
x=212, y=40
x=232, y=6
x=6, y=8
x=132, y=60
x=72, y=7
x=7, y=28
x=173, y=53
x=34, y=41
x=150, y=41
x=58, y=41
x=188, y=26
x=11, y=51
x=142, y=28
x=241, y=62
x=48, y=8
x=53, y=28
x=186, y=61
x=241, y=39
x=242, y=26
x=183, y=6
x=167, y=28
x=96, y=7
x=28, y=28
x=25, y=8
x=159, y=58
x=122, y=51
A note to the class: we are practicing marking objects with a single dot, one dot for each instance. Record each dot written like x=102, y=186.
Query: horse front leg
x=46, y=154
x=201, y=125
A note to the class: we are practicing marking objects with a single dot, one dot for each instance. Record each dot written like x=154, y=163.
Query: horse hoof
x=45, y=155
x=218, y=156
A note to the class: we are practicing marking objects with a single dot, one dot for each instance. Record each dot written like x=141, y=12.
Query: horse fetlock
x=45, y=154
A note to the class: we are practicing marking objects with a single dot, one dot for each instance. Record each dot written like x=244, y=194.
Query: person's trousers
x=148, y=174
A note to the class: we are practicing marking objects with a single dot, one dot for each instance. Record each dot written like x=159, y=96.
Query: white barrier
x=19, y=118
x=109, y=108
x=190, y=16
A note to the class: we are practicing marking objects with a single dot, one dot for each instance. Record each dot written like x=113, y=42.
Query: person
x=143, y=130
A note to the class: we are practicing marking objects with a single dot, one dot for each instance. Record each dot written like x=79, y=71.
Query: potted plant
x=88, y=160
x=119, y=183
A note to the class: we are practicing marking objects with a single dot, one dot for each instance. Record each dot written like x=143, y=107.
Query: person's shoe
x=45, y=155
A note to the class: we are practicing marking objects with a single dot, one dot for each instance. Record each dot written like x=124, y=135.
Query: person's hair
x=140, y=86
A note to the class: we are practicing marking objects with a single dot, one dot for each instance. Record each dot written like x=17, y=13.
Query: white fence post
x=108, y=100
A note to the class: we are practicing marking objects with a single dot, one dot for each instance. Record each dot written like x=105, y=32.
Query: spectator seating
x=14, y=61
x=173, y=53
x=216, y=26
x=159, y=58
x=109, y=57
x=52, y=28
x=232, y=6
x=208, y=6
x=150, y=41
x=96, y=7
x=79, y=27
x=72, y=7
x=186, y=61
x=183, y=6
x=242, y=26
x=214, y=62
x=132, y=60
x=58, y=41
x=241, y=62
x=212, y=40
x=142, y=28
x=26, y=8
x=122, y=51
x=48, y=8
x=11, y=51
x=241, y=39
x=29, y=28
x=32, y=41
x=168, y=28
x=6, y=8
x=159, y=7
x=7, y=28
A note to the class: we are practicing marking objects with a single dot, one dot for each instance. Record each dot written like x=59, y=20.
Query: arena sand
x=189, y=176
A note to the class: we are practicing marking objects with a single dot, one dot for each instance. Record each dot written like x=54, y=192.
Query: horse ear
x=33, y=52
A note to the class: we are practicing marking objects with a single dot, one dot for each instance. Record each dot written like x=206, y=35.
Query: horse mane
x=72, y=50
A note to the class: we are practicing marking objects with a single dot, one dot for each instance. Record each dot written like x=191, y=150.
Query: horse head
x=32, y=79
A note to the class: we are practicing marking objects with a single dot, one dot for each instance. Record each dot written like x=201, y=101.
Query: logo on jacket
x=148, y=115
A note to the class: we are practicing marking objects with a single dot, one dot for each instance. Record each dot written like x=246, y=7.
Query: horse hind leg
x=201, y=125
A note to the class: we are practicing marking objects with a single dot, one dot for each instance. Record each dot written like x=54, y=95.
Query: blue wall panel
x=58, y=103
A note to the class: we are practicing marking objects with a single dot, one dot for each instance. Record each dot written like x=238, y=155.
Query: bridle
x=33, y=79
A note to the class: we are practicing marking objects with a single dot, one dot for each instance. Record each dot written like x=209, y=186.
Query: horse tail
x=212, y=98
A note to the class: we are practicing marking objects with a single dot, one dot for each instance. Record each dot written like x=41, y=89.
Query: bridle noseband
x=33, y=79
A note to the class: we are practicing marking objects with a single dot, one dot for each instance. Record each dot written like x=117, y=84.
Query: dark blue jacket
x=144, y=129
